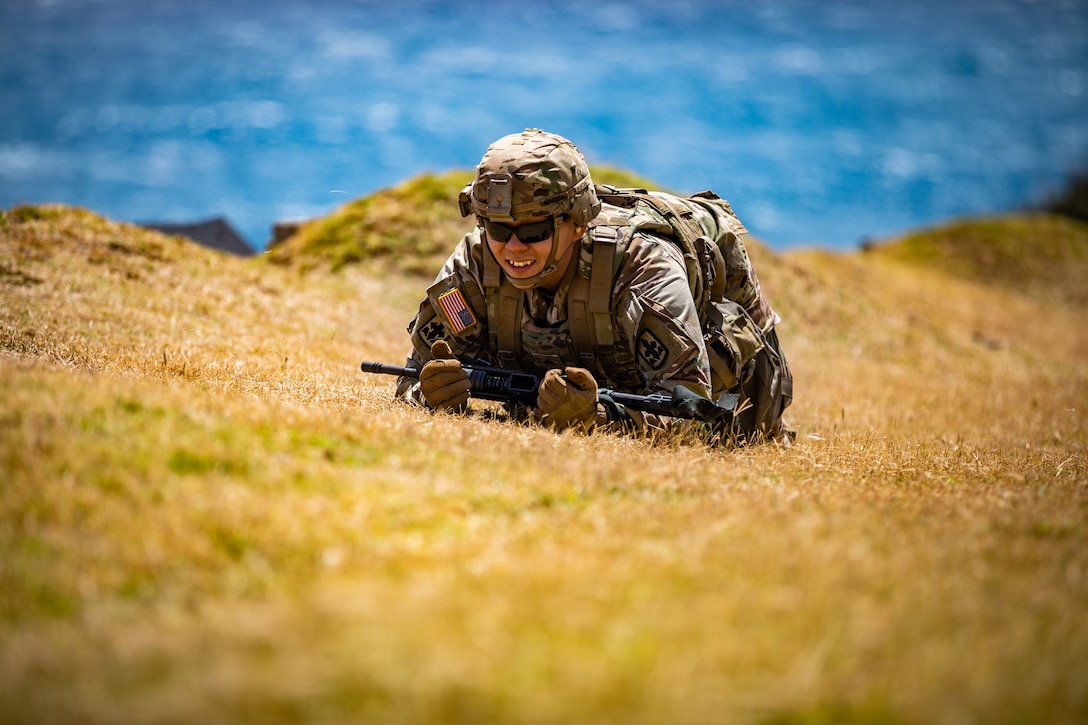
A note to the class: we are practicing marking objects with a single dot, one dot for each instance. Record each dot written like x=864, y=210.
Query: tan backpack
x=737, y=323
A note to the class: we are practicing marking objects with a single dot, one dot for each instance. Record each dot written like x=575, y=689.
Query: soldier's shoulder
x=646, y=244
x=468, y=254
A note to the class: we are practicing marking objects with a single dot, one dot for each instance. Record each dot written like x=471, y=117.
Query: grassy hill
x=1042, y=255
x=209, y=514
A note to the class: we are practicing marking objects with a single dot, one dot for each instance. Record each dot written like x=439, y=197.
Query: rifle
x=511, y=386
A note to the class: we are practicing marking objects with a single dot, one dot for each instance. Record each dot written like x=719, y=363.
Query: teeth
x=519, y=265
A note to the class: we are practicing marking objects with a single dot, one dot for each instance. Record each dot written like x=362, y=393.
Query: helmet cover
x=533, y=174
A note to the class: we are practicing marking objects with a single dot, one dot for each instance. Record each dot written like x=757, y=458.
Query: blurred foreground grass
x=208, y=514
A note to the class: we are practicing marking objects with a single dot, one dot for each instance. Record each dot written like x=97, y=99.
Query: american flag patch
x=457, y=312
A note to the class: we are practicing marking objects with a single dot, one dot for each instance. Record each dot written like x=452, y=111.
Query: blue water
x=823, y=122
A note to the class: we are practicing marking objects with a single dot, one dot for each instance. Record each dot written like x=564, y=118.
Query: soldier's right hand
x=443, y=381
x=568, y=398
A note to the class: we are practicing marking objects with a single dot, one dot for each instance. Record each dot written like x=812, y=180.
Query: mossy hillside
x=411, y=225
x=1043, y=255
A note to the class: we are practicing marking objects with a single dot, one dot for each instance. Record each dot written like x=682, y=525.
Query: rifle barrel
x=383, y=369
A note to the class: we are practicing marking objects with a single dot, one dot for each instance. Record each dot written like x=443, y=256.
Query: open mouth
x=520, y=263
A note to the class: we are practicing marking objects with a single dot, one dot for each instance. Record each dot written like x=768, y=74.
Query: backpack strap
x=492, y=271
x=506, y=335
x=505, y=303
x=670, y=217
x=589, y=304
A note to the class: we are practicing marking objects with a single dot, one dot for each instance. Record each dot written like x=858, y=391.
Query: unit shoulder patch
x=658, y=344
x=651, y=351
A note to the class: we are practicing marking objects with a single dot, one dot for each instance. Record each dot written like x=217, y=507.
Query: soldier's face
x=522, y=261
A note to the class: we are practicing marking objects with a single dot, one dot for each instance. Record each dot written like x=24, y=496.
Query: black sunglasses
x=527, y=233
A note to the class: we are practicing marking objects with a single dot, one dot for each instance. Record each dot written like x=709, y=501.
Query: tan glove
x=564, y=403
x=443, y=382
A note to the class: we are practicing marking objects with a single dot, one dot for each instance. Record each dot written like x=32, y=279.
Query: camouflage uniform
x=651, y=319
x=654, y=314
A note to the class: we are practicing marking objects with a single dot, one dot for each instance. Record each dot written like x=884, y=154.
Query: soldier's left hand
x=443, y=382
x=564, y=402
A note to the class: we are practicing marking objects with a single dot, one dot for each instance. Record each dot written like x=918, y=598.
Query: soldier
x=583, y=285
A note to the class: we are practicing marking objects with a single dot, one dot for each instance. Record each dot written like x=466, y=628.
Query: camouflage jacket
x=653, y=313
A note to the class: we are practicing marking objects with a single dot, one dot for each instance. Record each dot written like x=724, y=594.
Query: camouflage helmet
x=531, y=174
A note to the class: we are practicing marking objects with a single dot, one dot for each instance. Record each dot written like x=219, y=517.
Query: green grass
x=207, y=512
x=1040, y=254
x=414, y=224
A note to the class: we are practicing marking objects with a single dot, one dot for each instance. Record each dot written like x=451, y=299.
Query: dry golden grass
x=209, y=514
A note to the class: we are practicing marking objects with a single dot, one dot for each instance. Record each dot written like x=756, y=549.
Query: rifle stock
x=512, y=386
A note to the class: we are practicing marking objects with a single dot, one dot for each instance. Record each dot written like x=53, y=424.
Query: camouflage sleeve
x=657, y=316
x=454, y=310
